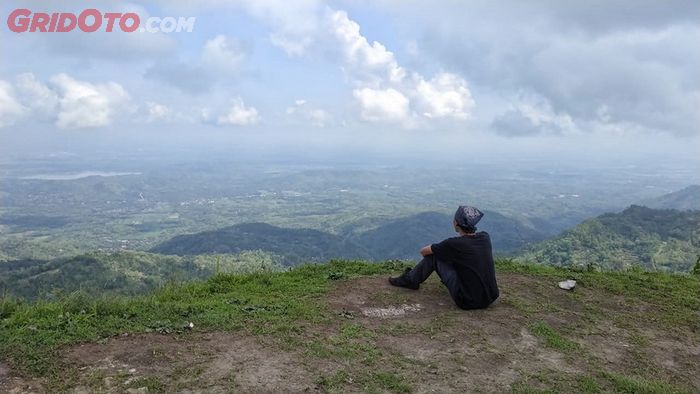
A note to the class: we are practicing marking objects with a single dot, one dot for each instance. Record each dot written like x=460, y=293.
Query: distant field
x=66, y=206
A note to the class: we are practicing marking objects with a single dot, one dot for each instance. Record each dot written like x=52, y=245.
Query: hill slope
x=294, y=245
x=341, y=328
x=401, y=238
x=126, y=273
x=683, y=200
x=650, y=238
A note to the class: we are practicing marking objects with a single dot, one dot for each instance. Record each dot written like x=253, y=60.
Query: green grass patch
x=552, y=338
x=261, y=303
x=152, y=383
x=550, y=381
x=637, y=385
x=369, y=382
x=671, y=299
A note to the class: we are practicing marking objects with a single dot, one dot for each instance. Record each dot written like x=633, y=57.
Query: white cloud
x=238, y=114
x=316, y=116
x=10, y=108
x=36, y=95
x=221, y=58
x=533, y=114
x=84, y=104
x=370, y=60
x=293, y=46
x=223, y=53
x=294, y=23
x=387, y=105
x=157, y=112
x=445, y=95
x=389, y=92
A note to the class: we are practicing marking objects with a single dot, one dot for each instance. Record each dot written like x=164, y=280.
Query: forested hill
x=126, y=273
x=294, y=245
x=655, y=239
x=684, y=199
x=391, y=239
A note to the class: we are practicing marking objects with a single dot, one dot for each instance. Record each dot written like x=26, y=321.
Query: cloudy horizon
x=463, y=79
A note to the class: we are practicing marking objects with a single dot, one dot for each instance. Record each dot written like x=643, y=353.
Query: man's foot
x=404, y=281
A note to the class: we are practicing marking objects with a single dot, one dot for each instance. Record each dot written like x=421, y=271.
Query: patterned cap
x=467, y=216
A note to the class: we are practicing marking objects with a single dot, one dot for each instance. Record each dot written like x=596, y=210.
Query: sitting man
x=464, y=263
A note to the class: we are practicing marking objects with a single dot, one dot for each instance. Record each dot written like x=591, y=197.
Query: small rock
x=132, y=370
x=568, y=284
x=140, y=390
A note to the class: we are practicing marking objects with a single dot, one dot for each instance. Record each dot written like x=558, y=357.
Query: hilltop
x=652, y=239
x=339, y=327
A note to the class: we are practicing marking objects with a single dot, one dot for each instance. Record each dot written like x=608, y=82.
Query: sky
x=592, y=80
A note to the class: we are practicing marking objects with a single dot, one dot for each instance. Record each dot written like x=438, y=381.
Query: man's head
x=466, y=219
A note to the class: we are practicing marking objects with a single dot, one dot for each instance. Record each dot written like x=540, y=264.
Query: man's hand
x=426, y=251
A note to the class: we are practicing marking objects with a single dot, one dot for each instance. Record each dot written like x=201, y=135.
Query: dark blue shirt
x=472, y=258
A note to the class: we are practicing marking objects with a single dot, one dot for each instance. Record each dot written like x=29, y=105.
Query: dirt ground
x=419, y=337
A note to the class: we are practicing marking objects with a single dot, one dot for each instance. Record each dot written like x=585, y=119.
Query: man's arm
x=426, y=251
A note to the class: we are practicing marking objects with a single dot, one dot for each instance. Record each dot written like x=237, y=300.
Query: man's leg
x=422, y=270
x=412, y=278
x=446, y=272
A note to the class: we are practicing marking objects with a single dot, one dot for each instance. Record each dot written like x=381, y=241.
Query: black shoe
x=404, y=281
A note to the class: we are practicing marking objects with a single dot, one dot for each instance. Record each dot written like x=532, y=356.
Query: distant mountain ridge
x=401, y=238
x=684, y=199
x=655, y=239
x=393, y=239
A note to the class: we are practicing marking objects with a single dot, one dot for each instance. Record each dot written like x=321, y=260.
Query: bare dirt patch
x=214, y=362
x=14, y=384
x=372, y=298
x=449, y=349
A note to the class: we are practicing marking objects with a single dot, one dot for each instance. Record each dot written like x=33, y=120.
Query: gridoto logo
x=90, y=20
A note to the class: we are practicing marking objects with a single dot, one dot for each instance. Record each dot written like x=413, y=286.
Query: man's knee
x=428, y=261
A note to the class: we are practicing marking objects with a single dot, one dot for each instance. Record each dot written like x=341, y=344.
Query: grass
x=152, y=384
x=283, y=305
x=552, y=338
x=672, y=299
x=637, y=385
x=555, y=382
x=549, y=381
x=261, y=303
x=369, y=382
